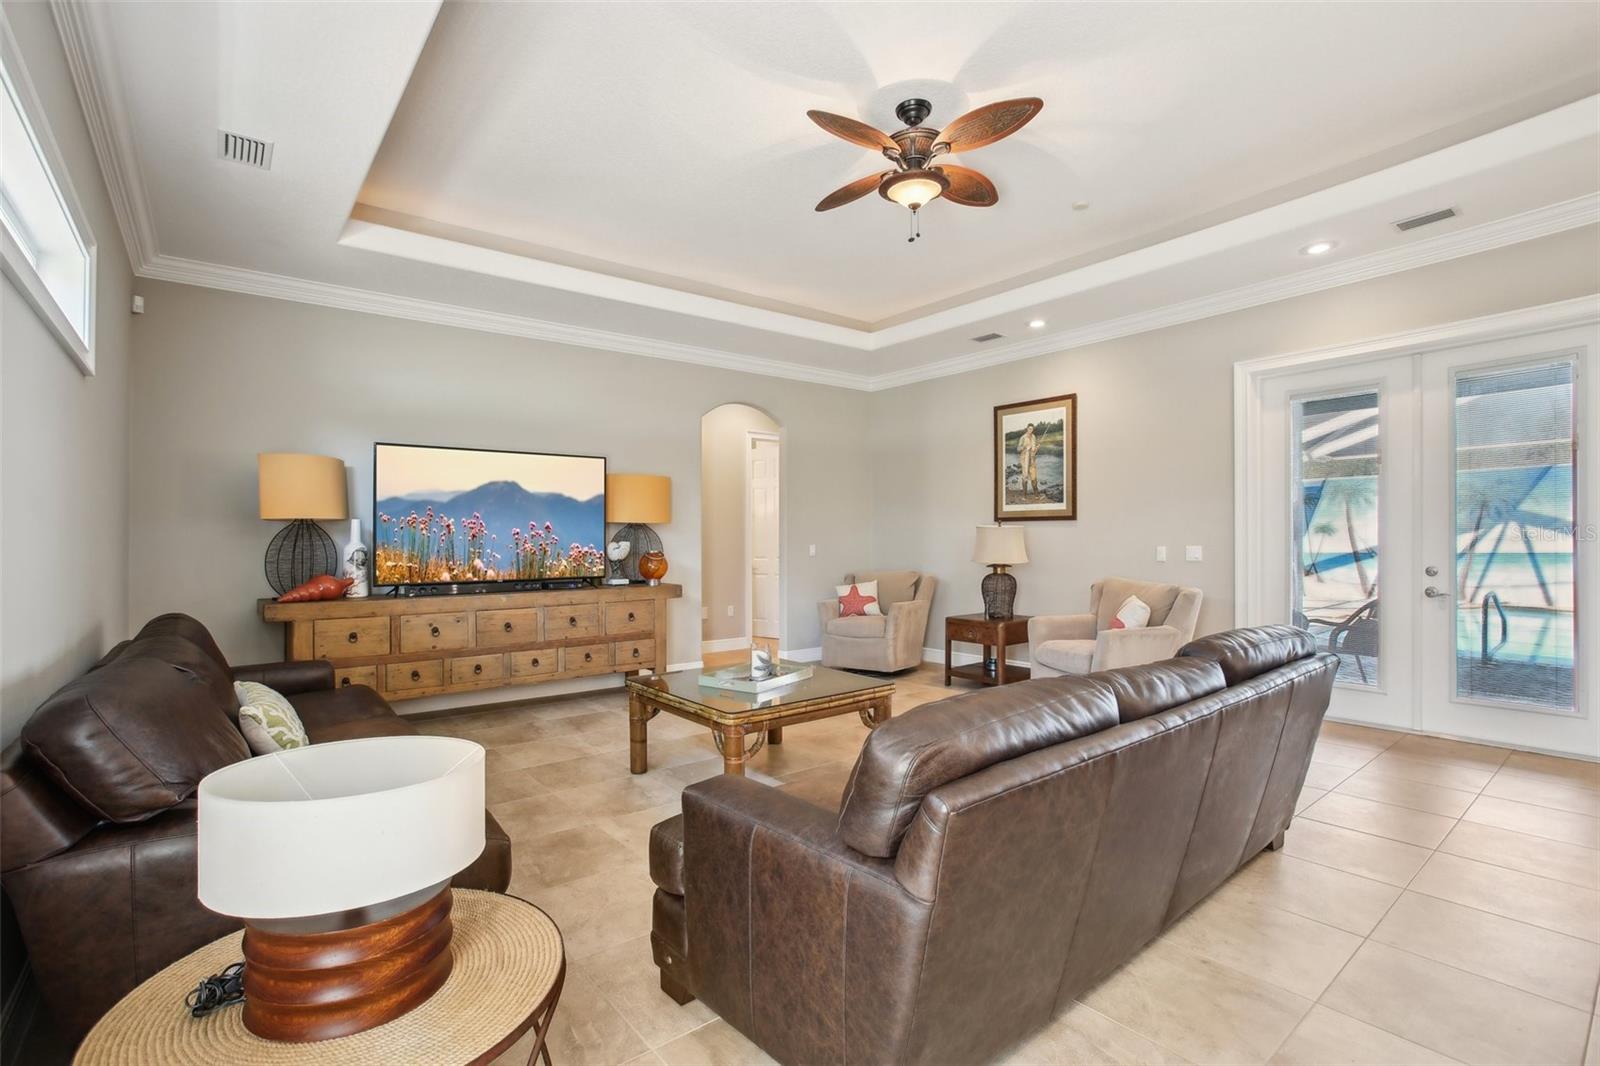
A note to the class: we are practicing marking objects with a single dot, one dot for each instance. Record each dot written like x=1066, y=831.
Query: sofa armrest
x=1115, y=648
x=827, y=611
x=305, y=675
x=779, y=910
x=1045, y=627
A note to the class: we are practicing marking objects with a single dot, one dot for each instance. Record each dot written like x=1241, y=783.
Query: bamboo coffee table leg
x=775, y=736
x=638, y=735
x=732, y=745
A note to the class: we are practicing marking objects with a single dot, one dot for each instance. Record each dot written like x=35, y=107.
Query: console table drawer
x=586, y=659
x=633, y=653
x=435, y=632
x=476, y=669
x=541, y=662
x=499, y=628
x=969, y=632
x=345, y=676
x=577, y=620
x=346, y=638
x=630, y=617
x=403, y=677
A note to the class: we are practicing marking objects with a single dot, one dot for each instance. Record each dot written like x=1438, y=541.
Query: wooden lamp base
x=306, y=986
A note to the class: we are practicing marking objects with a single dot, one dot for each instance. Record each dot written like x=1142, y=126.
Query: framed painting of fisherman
x=1036, y=459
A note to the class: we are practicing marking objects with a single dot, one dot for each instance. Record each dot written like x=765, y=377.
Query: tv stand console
x=407, y=647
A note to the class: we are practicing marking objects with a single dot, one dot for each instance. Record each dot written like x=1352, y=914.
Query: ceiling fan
x=916, y=181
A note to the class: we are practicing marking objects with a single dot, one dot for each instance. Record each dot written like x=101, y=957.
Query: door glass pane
x=1334, y=484
x=1515, y=519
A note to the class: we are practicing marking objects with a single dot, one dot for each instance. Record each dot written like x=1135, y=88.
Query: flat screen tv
x=466, y=516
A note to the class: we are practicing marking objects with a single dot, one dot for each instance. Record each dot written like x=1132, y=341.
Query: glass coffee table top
x=683, y=687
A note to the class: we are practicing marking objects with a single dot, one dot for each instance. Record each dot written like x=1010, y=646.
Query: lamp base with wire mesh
x=643, y=540
x=300, y=551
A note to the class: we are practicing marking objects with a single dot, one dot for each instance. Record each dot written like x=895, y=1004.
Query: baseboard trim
x=724, y=644
x=801, y=655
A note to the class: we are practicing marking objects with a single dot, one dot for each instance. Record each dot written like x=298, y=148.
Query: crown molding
x=83, y=35
x=323, y=294
x=1514, y=229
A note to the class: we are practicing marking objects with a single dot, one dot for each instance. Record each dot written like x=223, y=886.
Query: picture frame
x=1036, y=460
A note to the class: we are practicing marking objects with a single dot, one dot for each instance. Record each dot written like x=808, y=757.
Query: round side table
x=507, y=977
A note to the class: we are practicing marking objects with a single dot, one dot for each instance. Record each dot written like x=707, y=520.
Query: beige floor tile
x=582, y=851
x=1326, y=776
x=714, y=1044
x=627, y=977
x=587, y=1030
x=1536, y=821
x=1202, y=1010
x=1358, y=735
x=1548, y=964
x=1545, y=792
x=1084, y=1035
x=528, y=753
x=1358, y=853
x=1468, y=776
x=1287, y=949
x=584, y=770
x=1553, y=905
x=536, y=816
x=505, y=785
x=1530, y=854
x=598, y=912
x=1453, y=1012
x=649, y=1058
x=1333, y=897
x=1591, y=1057
x=1334, y=754
x=1327, y=1038
x=1573, y=771
x=1450, y=802
x=633, y=830
x=821, y=786
x=1444, y=749
x=627, y=794
x=1307, y=797
x=1381, y=819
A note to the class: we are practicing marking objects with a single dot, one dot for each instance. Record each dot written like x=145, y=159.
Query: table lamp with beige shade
x=999, y=547
x=635, y=502
x=300, y=490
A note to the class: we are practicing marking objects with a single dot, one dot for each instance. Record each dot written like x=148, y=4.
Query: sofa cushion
x=135, y=737
x=907, y=757
x=191, y=658
x=347, y=713
x=666, y=855
x=1143, y=690
x=190, y=629
x=267, y=719
x=894, y=586
x=1245, y=653
x=858, y=625
x=1068, y=656
x=1114, y=591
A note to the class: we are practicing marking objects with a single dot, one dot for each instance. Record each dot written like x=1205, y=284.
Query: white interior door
x=764, y=536
x=1508, y=543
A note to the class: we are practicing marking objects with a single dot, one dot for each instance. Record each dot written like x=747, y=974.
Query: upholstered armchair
x=884, y=643
x=1084, y=643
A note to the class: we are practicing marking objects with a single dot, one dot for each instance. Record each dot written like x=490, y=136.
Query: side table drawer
x=405, y=677
x=347, y=638
x=345, y=676
x=586, y=659
x=969, y=632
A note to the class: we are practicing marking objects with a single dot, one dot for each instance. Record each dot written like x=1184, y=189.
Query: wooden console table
x=997, y=633
x=410, y=646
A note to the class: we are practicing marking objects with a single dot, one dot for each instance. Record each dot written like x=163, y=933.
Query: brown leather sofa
x=97, y=816
x=994, y=855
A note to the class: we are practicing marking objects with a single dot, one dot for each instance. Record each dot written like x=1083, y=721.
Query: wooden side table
x=996, y=633
x=507, y=977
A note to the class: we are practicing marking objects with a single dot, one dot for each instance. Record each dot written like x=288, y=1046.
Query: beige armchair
x=883, y=643
x=1083, y=643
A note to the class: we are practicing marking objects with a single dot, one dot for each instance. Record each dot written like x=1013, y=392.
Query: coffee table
x=734, y=716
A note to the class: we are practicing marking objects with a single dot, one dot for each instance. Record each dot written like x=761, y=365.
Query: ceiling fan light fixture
x=914, y=188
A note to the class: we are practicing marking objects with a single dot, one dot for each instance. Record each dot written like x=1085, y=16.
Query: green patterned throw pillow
x=267, y=720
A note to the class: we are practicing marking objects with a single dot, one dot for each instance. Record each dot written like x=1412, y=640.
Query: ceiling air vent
x=246, y=150
x=987, y=337
x=1428, y=219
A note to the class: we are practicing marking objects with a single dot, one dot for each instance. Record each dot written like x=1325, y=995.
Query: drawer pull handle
x=630, y=616
x=353, y=637
x=508, y=627
x=416, y=675
x=434, y=630
x=635, y=653
x=588, y=657
x=572, y=619
x=535, y=660
x=477, y=668
x=344, y=682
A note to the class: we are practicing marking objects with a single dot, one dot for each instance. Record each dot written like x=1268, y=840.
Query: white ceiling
x=642, y=175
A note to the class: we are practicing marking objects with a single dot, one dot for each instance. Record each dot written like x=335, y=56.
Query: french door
x=1429, y=517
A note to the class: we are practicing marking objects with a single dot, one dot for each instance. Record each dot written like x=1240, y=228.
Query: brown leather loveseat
x=994, y=855
x=97, y=816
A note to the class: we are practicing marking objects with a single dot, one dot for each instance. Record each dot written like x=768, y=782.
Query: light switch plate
x=813, y=550
x=1161, y=553
x=1192, y=553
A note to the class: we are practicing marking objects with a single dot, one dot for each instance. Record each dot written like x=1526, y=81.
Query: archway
x=741, y=539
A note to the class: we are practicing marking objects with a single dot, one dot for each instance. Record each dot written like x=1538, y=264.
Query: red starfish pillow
x=858, y=599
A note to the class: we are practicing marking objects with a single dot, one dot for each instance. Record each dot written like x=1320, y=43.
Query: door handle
x=1431, y=571
x=1433, y=593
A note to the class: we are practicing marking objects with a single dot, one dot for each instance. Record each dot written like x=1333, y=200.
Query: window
x=45, y=245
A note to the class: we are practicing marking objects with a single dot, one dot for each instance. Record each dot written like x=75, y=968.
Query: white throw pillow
x=1133, y=614
x=267, y=720
x=860, y=598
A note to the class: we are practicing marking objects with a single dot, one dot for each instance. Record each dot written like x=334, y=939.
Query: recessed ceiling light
x=1037, y=323
x=1319, y=248
x=1080, y=205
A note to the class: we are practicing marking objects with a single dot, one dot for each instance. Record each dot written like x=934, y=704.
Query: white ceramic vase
x=355, y=562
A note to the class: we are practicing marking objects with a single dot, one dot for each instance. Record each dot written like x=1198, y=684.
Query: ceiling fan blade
x=851, y=130
x=848, y=193
x=968, y=187
x=989, y=124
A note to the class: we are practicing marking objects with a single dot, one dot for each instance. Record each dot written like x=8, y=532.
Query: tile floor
x=1436, y=901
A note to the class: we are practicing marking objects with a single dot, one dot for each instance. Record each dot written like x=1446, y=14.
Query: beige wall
x=1155, y=455
x=63, y=438
x=220, y=376
x=724, y=457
